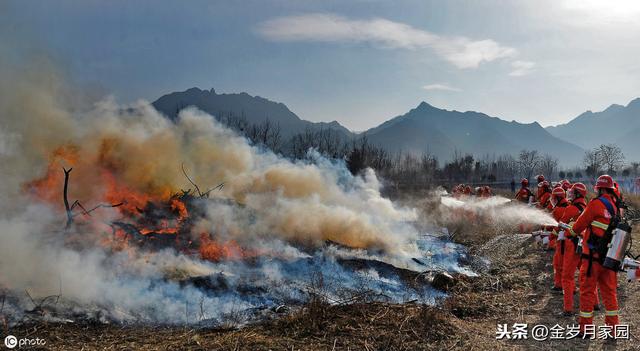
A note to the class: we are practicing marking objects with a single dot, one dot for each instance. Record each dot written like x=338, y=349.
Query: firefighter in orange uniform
x=577, y=197
x=544, y=202
x=560, y=203
x=544, y=195
x=524, y=193
x=595, y=222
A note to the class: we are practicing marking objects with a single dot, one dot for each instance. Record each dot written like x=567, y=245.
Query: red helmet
x=559, y=192
x=566, y=185
x=579, y=188
x=544, y=184
x=524, y=182
x=604, y=182
x=540, y=178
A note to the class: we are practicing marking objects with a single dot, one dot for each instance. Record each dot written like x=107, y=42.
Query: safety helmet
x=559, y=192
x=544, y=184
x=604, y=182
x=579, y=188
x=566, y=185
x=540, y=178
x=524, y=182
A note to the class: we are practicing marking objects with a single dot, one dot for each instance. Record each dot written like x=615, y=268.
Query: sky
x=359, y=62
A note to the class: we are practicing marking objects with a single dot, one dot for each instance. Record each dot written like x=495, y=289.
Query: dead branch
x=88, y=212
x=191, y=181
x=219, y=187
x=30, y=298
x=66, y=199
x=200, y=193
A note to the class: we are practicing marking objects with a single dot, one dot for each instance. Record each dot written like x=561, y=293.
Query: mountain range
x=616, y=124
x=438, y=131
x=254, y=109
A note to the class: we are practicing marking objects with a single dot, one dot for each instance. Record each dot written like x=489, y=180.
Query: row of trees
x=424, y=169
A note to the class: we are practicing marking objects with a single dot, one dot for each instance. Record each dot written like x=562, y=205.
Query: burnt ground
x=515, y=289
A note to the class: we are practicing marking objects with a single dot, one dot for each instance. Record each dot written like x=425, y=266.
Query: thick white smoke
x=284, y=211
x=500, y=210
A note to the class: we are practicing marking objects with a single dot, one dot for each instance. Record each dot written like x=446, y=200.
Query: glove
x=561, y=235
x=545, y=240
x=631, y=274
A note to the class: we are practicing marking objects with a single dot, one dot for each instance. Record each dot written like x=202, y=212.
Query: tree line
x=409, y=170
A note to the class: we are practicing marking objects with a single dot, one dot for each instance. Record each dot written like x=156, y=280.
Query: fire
x=156, y=217
x=47, y=188
x=214, y=251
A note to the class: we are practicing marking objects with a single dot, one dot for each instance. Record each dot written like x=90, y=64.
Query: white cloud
x=442, y=87
x=521, y=68
x=459, y=51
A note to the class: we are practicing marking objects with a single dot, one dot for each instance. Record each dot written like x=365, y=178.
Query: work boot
x=556, y=288
x=567, y=313
x=596, y=308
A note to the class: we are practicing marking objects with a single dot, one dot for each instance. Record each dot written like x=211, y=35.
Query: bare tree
x=528, y=162
x=548, y=165
x=592, y=163
x=611, y=157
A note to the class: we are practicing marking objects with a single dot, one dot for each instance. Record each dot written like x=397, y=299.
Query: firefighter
x=597, y=221
x=577, y=197
x=560, y=203
x=524, y=194
x=539, y=179
x=565, y=184
x=544, y=195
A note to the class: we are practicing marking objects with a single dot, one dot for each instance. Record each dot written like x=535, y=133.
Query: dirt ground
x=516, y=289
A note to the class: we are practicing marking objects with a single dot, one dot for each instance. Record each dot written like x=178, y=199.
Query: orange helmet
x=579, y=188
x=604, y=182
x=559, y=192
x=524, y=182
x=544, y=184
x=540, y=178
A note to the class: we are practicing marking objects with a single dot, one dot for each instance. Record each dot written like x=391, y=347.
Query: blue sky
x=358, y=62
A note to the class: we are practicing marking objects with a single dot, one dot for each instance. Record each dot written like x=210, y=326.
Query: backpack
x=601, y=244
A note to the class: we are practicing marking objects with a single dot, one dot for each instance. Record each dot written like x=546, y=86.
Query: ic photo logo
x=12, y=342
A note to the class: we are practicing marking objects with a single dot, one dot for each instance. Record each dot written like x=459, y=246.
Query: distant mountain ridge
x=442, y=132
x=616, y=124
x=254, y=109
x=423, y=129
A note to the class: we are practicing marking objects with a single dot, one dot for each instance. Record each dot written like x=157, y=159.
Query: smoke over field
x=184, y=222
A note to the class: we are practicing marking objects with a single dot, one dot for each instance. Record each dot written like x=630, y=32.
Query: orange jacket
x=523, y=194
x=596, y=211
x=560, y=209
x=543, y=201
x=572, y=212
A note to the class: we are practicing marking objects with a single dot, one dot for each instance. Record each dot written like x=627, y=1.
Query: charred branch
x=200, y=193
x=66, y=199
